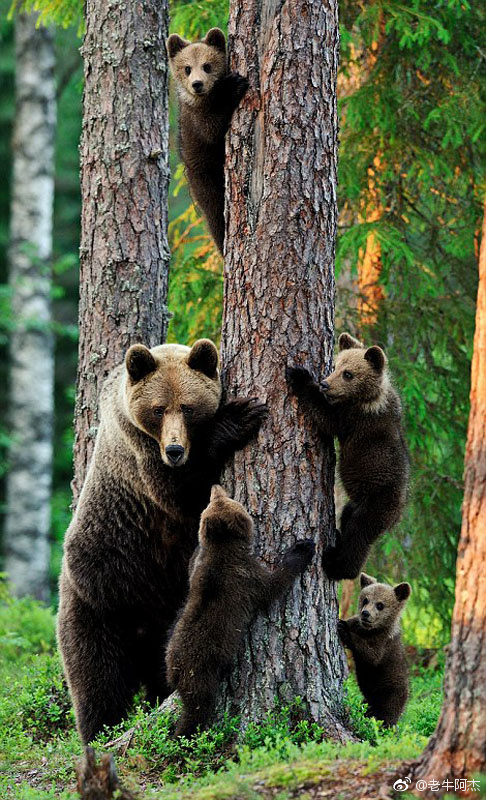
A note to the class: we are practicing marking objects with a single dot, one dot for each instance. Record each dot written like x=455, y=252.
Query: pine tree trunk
x=457, y=748
x=279, y=310
x=31, y=343
x=124, y=188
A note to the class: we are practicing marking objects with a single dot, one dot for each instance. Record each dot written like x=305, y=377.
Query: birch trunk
x=31, y=343
x=457, y=748
x=124, y=188
x=278, y=310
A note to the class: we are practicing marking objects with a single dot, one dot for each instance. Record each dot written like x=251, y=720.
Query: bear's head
x=196, y=66
x=380, y=605
x=224, y=520
x=360, y=375
x=170, y=391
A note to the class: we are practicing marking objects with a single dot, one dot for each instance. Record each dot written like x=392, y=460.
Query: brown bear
x=228, y=585
x=374, y=638
x=163, y=438
x=357, y=404
x=208, y=95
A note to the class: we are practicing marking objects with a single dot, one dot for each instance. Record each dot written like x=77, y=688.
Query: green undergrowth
x=39, y=745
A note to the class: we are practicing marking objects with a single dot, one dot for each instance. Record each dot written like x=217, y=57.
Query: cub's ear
x=204, y=358
x=217, y=493
x=215, y=38
x=348, y=342
x=376, y=357
x=402, y=591
x=175, y=44
x=366, y=580
x=139, y=362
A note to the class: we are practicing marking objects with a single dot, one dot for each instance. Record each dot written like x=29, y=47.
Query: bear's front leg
x=235, y=424
x=229, y=91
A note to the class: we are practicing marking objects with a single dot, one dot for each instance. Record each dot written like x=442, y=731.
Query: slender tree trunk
x=458, y=747
x=124, y=187
x=31, y=344
x=369, y=263
x=279, y=310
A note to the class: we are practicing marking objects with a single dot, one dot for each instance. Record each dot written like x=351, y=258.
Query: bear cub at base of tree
x=208, y=95
x=373, y=636
x=228, y=585
x=358, y=405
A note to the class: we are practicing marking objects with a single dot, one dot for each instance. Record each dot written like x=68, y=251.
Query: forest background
x=411, y=189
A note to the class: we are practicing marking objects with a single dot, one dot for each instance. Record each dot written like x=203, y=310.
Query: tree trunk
x=457, y=749
x=124, y=188
x=31, y=343
x=279, y=310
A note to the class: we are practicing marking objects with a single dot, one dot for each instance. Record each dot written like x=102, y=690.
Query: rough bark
x=278, y=310
x=124, y=187
x=31, y=343
x=458, y=747
x=99, y=781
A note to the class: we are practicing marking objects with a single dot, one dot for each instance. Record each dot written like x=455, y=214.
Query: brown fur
x=204, y=118
x=127, y=549
x=228, y=585
x=373, y=636
x=357, y=404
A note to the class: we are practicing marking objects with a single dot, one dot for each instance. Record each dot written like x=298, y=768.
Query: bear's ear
x=139, y=362
x=204, y=357
x=376, y=357
x=175, y=44
x=217, y=493
x=402, y=591
x=215, y=38
x=366, y=580
x=348, y=342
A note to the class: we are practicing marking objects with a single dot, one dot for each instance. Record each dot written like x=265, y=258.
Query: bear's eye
x=365, y=601
x=348, y=375
x=380, y=606
x=188, y=410
x=159, y=411
x=207, y=68
x=187, y=70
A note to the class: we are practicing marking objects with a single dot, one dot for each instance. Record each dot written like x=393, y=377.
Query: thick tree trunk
x=458, y=747
x=124, y=186
x=279, y=310
x=31, y=344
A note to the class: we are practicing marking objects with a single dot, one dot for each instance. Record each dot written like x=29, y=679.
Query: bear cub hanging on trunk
x=208, y=95
x=374, y=638
x=358, y=405
x=228, y=585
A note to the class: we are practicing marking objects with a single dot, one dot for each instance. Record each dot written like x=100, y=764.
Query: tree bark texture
x=279, y=310
x=31, y=343
x=124, y=187
x=458, y=746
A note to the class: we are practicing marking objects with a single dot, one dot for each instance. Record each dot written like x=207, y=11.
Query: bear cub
x=357, y=404
x=228, y=585
x=208, y=95
x=373, y=636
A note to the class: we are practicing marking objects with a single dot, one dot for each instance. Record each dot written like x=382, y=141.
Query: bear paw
x=336, y=567
x=242, y=418
x=298, y=378
x=299, y=556
x=241, y=85
x=343, y=631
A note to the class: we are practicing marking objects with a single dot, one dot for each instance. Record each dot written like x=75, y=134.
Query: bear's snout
x=175, y=453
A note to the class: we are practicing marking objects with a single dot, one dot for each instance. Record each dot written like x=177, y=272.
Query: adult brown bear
x=163, y=439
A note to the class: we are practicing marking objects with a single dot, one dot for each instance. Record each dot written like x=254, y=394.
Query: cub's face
x=359, y=376
x=197, y=66
x=170, y=391
x=224, y=520
x=380, y=605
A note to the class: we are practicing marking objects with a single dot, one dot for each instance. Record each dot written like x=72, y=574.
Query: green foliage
x=26, y=627
x=193, y=20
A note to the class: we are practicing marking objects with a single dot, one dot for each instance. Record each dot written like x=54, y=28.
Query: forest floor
x=281, y=758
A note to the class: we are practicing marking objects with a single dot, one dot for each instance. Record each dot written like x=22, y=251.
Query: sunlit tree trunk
x=31, y=343
x=279, y=310
x=124, y=188
x=369, y=262
x=458, y=746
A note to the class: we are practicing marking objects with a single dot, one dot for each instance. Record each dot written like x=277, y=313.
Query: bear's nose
x=325, y=386
x=174, y=453
x=197, y=86
x=365, y=614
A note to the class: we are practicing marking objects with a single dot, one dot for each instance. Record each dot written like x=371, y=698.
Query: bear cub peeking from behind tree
x=228, y=585
x=208, y=95
x=357, y=404
x=374, y=638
